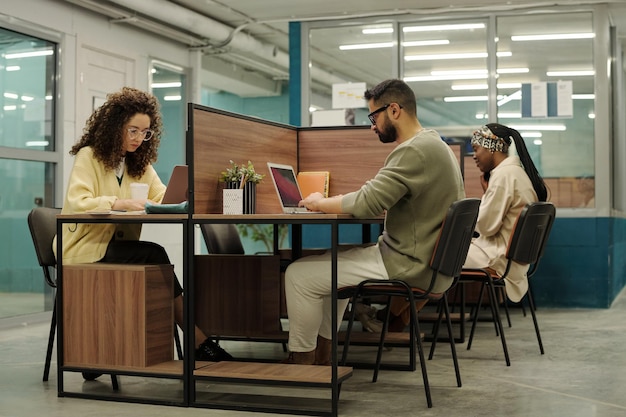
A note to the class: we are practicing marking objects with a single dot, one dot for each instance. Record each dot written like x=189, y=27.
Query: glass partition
x=532, y=71
x=369, y=48
x=559, y=129
x=25, y=184
x=168, y=84
x=446, y=65
x=28, y=67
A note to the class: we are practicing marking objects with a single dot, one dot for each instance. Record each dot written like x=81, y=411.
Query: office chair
x=526, y=247
x=448, y=257
x=222, y=239
x=42, y=226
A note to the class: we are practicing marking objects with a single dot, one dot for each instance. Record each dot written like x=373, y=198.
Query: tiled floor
x=582, y=374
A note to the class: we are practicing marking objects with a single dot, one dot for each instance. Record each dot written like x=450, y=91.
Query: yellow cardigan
x=92, y=187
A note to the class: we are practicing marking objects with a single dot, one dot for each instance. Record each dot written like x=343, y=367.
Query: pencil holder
x=249, y=196
x=233, y=201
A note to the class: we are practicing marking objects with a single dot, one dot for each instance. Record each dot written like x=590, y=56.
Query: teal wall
x=617, y=264
x=295, y=73
x=584, y=264
x=18, y=262
x=275, y=108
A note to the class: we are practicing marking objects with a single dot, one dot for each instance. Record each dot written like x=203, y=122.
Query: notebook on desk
x=287, y=189
x=313, y=181
x=177, y=188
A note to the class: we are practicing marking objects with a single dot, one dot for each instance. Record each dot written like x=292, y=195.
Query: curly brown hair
x=104, y=131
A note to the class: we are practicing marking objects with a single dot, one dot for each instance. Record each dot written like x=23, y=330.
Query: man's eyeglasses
x=372, y=115
x=133, y=132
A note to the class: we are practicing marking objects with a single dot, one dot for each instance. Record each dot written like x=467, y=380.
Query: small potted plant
x=243, y=177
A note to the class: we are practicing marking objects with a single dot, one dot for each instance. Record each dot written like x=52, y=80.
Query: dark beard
x=388, y=135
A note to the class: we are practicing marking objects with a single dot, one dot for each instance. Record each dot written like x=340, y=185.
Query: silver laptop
x=287, y=188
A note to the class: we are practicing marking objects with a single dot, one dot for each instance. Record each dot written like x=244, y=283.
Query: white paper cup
x=233, y=201
x=139, y=191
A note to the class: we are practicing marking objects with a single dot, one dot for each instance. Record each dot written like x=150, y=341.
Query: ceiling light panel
x=434, y=28
x=552, y=37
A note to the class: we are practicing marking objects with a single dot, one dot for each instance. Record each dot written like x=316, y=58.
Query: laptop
x=177, y=189
x=287, y=188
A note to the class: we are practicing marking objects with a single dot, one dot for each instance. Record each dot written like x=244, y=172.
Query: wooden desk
x=338, y=374
x=191, y=372
x=170, y=369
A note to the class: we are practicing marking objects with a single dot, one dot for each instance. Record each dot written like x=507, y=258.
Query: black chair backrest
x=222, y=239
x=531, y=232
x=455, y=237
x=43, y=227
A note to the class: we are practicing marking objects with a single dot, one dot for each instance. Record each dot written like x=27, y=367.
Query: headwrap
x=484, y=137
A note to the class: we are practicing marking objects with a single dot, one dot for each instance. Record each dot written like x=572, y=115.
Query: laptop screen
x=286, y=185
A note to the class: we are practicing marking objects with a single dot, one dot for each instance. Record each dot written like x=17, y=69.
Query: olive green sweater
x=421, y=178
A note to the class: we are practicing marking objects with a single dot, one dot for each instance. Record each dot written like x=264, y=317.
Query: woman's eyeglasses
x=133, y=132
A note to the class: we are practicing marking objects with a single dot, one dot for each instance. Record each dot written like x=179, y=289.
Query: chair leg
x=420, y=350
x=346, y=342
x=455, y=360
x=494, y=302
x=502, y=292
x=462, y=314
x=416, y=340
x=531, y=307
x=53, y=326
x=179, y=348
x=115, y=383
x=491, y=307
x=475, y=316
x=435, y=332
x=381, y=342
x=446, y=310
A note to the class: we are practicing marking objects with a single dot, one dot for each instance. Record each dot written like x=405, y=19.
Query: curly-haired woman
x=120, y=142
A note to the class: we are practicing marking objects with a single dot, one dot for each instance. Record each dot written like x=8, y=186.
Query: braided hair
x=509, y=134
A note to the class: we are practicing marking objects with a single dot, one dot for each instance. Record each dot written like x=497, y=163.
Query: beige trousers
x=308, y=291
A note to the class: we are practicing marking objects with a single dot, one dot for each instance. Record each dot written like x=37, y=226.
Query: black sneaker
x=211, y=352
x=91, y=376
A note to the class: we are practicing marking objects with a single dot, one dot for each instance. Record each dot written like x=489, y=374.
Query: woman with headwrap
x=510, y=182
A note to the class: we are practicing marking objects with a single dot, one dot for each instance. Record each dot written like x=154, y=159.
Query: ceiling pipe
x=217, y=33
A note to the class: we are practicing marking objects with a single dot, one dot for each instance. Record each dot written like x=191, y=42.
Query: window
x=168, y=84
x=464, y=69
x=28, y=70
x=561, y=145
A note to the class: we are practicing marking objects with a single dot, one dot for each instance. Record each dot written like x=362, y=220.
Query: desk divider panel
x=352, y=154
x=215, y=137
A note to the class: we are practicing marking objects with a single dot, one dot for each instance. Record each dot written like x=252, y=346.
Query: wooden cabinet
x=238, y=295
x=117, y=315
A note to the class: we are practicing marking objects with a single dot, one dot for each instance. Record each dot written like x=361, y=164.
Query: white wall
x=75, y=28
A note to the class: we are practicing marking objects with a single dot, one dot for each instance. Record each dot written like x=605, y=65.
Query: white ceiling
x=255, y=60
